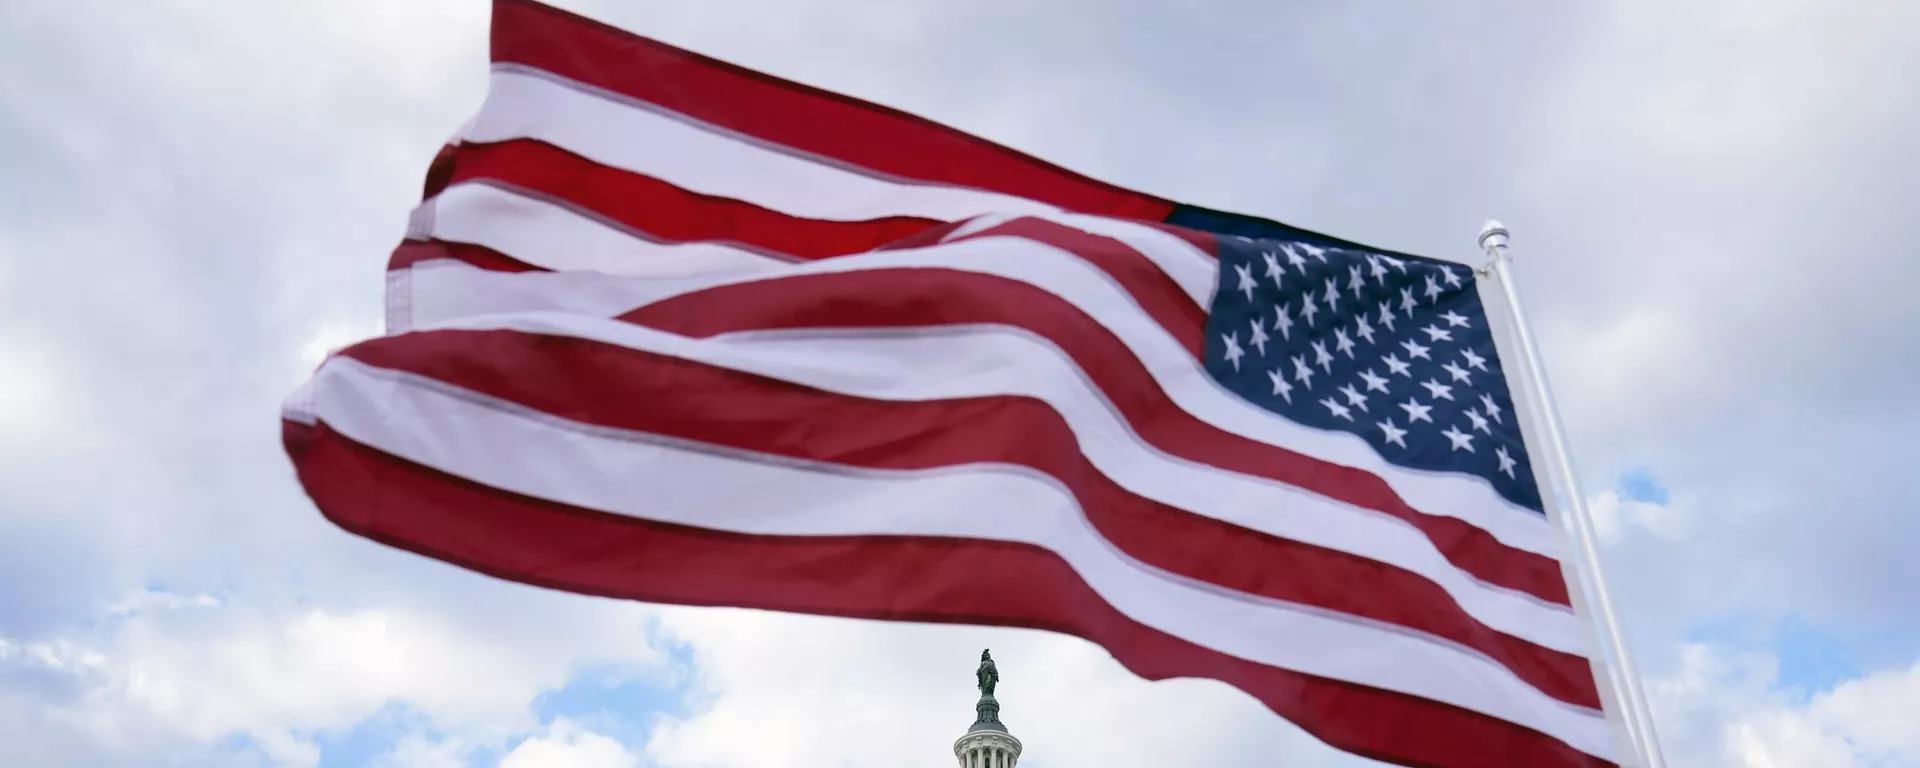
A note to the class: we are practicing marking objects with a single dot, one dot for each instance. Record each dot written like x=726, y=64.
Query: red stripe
x=413, y=252
x=612, y=386
x=1145, y=281
x=667, y=212
x=439, y=171
x=898, y=578
x=895, y=298
x=789, y=114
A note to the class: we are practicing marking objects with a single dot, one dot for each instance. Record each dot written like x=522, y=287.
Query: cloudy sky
x=1712, y=205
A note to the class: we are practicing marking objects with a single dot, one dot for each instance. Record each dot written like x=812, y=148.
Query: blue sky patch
x=1640, y=486
x=1811, y=660
x=371, y=737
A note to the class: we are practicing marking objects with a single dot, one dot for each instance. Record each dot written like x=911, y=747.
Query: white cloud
x=1611, y=364
x=1723, y=708
x=1866, y=722
x=566, y=745
x=153, y=599
x=1616, y=517
x=211, y=673
x=332, y=337
x=416, y=751
x=285, y=749
x=1876, y=712
x=35, y=398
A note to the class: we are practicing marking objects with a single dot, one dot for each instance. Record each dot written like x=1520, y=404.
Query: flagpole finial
x=1493, y=234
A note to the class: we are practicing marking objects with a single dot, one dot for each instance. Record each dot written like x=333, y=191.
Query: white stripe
x=1197, y=274
x=547, y=234
x=978, y=224
x=612, y=130
x=1194, y=272
x=595, y=468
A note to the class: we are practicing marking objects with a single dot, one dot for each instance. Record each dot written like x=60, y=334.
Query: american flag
x=667, y=329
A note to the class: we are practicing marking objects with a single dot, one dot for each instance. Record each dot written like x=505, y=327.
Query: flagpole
x=1638, y=716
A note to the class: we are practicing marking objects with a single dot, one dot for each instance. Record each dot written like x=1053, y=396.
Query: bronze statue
x=987, y=675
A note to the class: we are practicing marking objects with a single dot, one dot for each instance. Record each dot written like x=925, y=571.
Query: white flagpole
x=1638, y=717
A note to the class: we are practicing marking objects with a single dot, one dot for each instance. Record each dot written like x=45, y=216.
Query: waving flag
x=671, y=330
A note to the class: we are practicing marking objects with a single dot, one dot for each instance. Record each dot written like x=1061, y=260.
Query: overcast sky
x=1713, y=205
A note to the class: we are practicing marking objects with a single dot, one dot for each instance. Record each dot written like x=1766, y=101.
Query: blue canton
x=1392, y=348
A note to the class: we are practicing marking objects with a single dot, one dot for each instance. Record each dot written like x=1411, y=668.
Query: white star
x=1433, y=289
x=1282, y=323
x=1493, y=410
x=1321, y=357
x=1362, y=328
x=1438, y=390
x=1273, y=267
x=1308, y=309
x=1301, y=373
x=1379, y=269
x=1455, y=319
x=1280, y=385
x=1342, y=343
x=1396, y=365
x=1234, y=353
x=1395, y=435
x=1259, y=339
x=1435, y=333
x=1293, y=257
x=1397, y=263
x=1506, y=462
x=1415, y=350
x=1452, y=279
x=1337, y=409
x=1473, y=360
x=1406, y=302
x=1386, y=315
x=1375, y=382
x=1315, y=251
x=1354, y=397
x=1245, y=271
x=1460, y=440
x=1354, y=282
x=1333, y=296
x=1479, y=421
x=1458, y=373
x=1416, y=411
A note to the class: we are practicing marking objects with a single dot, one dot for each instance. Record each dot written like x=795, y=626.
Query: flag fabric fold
x=667, y=329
